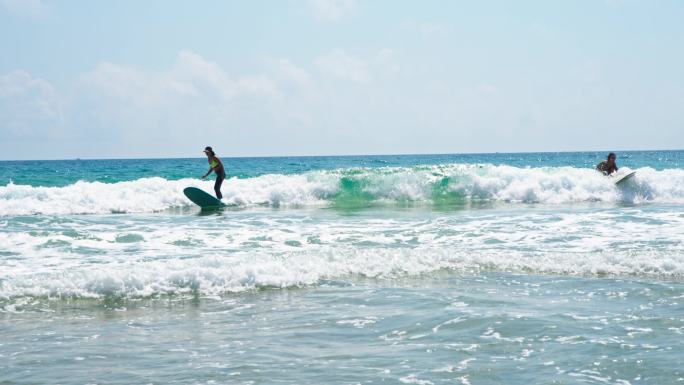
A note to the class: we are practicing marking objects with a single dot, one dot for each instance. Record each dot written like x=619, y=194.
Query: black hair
x=210, y=150
x=612, y=154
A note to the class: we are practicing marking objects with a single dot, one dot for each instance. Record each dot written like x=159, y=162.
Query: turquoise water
x=425, y=269
x=65, y=172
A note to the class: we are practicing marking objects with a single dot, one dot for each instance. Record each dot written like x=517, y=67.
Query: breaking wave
x=452, y=184
x=217, y=275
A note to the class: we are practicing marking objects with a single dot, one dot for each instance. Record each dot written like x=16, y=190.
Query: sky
x=147, y=79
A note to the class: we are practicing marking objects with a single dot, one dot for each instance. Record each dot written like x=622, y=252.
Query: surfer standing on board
x=608, y=166
x=216, y=166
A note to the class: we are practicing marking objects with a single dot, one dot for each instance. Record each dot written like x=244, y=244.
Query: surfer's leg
x=217, y=186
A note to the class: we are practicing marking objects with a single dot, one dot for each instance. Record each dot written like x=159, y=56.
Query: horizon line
x=339, y=155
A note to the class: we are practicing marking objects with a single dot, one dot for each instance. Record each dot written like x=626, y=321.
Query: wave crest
x=217, y=275
x=454, y=184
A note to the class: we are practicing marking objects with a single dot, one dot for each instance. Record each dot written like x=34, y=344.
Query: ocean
x=525, y=268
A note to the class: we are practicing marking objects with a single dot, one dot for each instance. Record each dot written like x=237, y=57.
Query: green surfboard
x=202, y=199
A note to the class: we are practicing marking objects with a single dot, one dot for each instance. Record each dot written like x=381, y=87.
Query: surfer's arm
x=208, y=172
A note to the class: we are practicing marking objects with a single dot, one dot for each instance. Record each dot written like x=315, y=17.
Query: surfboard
x=625, y=178
x=202, y=199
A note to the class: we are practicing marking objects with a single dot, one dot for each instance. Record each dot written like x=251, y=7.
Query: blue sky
x=125, y=79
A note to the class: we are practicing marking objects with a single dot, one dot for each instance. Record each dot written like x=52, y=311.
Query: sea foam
x=217, y=275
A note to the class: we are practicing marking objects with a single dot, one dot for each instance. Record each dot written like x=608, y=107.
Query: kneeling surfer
x=608, y=166
x=216, y=166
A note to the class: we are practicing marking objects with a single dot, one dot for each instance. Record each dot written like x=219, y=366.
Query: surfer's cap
x=207, y=149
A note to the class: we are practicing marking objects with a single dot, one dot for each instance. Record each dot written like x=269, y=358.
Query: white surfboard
x=624, y=178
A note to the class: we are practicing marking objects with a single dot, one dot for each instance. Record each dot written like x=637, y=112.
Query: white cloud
x=332, y=10
x=487, y=89
x=28, y=105
x=193, y=69
x=343, y=66
x=288, y=73
x=131, y=84
x=25, y=8
x=281, y=107
x=338, y=63
x=207, y=75
x=192, y=76
x=385, y=62
x=135, y=105
x=260, y=85
x=195, y=99
x=322, y=106
x=427, y=29
x=615, y=3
